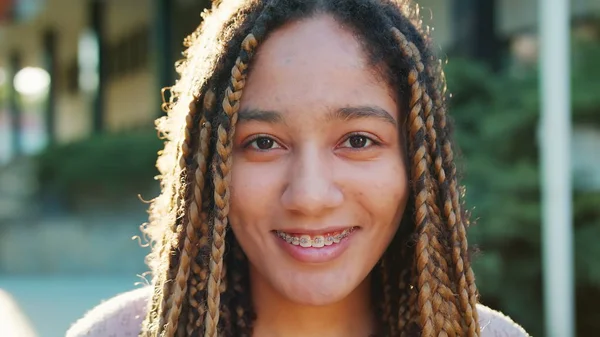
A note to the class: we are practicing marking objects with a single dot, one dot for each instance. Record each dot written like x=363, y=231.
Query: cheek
x=253, y=192
x=385, y=193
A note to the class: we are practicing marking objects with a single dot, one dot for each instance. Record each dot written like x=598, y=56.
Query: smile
x=316, y=241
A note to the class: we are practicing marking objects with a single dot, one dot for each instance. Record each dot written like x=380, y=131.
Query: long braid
x=192, y=225
x=445, y=311
x=175, y=277
x=423, y=222
x=468, y=310
x=460, y=235
x=452, y=211
x=467, y=279
x=434, y=295
x=221, y=173
x=197, y=281
x=442, y=256
x=449, y=212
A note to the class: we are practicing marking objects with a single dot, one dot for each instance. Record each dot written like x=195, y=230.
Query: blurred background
x=80, y=88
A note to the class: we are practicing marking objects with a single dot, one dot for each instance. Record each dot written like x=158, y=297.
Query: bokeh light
x=32, y=81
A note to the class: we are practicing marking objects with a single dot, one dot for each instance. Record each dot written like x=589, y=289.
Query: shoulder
x=120, y=316
x=496, y=324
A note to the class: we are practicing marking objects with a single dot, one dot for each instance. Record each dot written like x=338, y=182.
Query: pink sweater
x=122, y=316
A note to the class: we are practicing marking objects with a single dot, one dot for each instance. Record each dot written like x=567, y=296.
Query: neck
x=276, y=316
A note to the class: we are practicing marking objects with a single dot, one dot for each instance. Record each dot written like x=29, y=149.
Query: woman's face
x=318, y=183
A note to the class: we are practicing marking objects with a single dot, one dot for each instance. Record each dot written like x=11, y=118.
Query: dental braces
x=316, y=241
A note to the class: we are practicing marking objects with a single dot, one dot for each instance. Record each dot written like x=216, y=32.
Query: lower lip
x=315, y=255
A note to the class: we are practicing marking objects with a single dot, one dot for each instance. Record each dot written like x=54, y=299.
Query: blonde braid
x=466, y=283
x=192, y=227
x=459, y=230
x=176, y=277
x=424, y=226
x=434, y=296
x=466, y=276
x=446, y=291
x=199, y=271
x=221, y=173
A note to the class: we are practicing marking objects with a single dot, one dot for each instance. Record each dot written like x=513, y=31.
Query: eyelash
x=254, y=138
x=373, y=141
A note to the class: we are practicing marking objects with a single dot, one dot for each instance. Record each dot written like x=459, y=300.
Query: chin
x=317, y=290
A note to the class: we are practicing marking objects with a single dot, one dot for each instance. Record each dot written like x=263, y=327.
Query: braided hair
x=424, y=284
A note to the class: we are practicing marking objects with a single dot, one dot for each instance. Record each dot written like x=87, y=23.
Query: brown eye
x=263, y=143
x=358, y=141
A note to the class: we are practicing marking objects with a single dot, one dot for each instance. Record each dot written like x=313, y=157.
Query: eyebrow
x=272, y=117
x=360, y=112
x=346, y=114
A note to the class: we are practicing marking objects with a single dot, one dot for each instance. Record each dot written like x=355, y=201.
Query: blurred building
x=107, y=59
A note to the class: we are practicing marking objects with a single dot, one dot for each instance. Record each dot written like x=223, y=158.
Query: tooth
x=337, y=238
x=329, y=240
x=318, y=241
x=305, y=241
x=288, y=238
x=295, y=241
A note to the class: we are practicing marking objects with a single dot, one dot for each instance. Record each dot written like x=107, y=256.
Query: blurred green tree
x=496, y=119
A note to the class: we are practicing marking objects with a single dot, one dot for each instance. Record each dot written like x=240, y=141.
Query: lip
x=312, y=254
x=313, y=232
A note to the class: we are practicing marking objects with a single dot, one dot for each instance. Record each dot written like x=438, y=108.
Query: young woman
x=308, y=184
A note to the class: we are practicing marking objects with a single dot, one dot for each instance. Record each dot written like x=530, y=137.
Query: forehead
x=320, y=37
x=312, y=63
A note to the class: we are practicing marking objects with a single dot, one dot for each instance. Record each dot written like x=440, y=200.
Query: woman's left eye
x=358, y=142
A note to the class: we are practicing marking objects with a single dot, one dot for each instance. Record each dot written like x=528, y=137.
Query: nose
x=311, y=188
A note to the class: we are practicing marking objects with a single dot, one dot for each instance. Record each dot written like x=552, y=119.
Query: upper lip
x=314, y=231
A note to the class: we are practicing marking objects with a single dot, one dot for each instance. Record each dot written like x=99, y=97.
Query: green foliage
x=496, y=119
x=106, y=164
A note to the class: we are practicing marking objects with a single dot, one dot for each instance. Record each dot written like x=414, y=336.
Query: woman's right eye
x=262, y=143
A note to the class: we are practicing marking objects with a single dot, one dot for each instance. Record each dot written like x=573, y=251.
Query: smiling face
x=319, y=184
